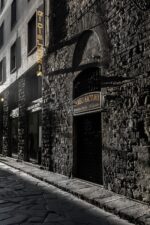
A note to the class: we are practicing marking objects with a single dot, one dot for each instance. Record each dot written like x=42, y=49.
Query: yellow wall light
x=2, y=99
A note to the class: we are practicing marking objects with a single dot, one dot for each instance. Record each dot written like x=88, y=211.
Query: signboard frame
x=87, y=103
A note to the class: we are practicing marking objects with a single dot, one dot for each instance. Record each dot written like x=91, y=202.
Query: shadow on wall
x=60, y=14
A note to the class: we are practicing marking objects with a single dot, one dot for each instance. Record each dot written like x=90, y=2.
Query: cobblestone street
x=25, y=200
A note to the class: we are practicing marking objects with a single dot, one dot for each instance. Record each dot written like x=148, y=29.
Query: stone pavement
x=45, y=208
x=25, y=200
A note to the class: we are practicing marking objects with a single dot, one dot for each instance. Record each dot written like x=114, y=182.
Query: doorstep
x=131, y=210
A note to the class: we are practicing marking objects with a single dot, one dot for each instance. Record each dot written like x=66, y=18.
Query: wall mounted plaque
x=86, y=103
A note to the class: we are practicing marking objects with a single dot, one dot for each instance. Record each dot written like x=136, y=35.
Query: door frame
x=38, y=159
x=75, y=148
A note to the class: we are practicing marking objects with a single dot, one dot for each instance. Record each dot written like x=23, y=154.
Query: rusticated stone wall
x=122, y=30
x=57, y=98
x=6, y=124
x=126, y=140
x=22, y=119
x=1, y=127
x=126, y=122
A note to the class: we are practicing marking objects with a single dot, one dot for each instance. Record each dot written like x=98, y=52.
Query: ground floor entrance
x=14, y=136
x=34, y=137
x=88, y=150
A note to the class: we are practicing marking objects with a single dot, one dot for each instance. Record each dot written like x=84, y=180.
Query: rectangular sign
x=14, y=113
x=40, y=39
x=87, y=102
x=36, y=106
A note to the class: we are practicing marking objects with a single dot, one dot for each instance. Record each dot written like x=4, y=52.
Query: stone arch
x=91, y=48
x=86, y=81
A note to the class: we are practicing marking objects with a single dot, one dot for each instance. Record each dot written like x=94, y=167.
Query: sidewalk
x=133, y=211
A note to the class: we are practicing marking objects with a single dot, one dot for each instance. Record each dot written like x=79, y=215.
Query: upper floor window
x=13, y=57
x=2, y=71
x=1, y=35
x=1, y=4
x=32, y=34
x=13, y=13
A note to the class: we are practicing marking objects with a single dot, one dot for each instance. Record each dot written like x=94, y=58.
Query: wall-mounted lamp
x=2, y=99
x=39, y=74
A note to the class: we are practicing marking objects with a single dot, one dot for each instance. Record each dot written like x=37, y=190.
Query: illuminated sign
x=40, y=40
x=36, y=105
x=88, y=102
x=14, y=113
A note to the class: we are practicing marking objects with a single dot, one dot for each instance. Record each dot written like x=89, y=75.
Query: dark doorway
x=14, y=136
x=88, y=147
x=34, y=137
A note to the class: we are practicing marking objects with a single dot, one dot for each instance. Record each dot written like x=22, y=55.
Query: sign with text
x=40, y=39
x=87, y=102
x=35, y=106
x=14, y=113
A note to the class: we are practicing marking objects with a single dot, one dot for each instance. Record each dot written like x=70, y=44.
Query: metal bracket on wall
x=46, y=80
x=143, y=5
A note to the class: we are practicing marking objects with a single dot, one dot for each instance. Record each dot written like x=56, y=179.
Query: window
x=32, y=34
x=13, y=56
x=1, y=4
x=1, y=35
x=13, y=100
x=34, y=87
x=2, y=71
x=13, y=13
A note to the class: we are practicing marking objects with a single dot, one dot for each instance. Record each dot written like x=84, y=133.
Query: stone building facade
x=95, y=116
x=112, y=38
x=20, y=88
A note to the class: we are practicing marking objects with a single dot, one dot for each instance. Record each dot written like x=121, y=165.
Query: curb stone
x=131, y=210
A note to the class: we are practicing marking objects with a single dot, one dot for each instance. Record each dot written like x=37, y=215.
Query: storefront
x=34, y=132
x=13, y=120
x=14, y=132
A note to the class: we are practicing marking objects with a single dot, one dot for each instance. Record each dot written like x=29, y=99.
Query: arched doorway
x=91, y=52
x=87, y=126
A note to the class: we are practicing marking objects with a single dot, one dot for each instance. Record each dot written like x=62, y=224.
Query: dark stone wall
x=126, y=140
x=122, y=29
x=6, y=124
x=65, y=61
x=22, y=120
x=126, y=120
x=19, y=90
x=57, y=125
x=1, y=127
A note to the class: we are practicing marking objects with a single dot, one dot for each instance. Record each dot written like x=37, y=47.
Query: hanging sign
x=14, y=113
x=36, y=105
x=40, y=39
x=87, y=103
